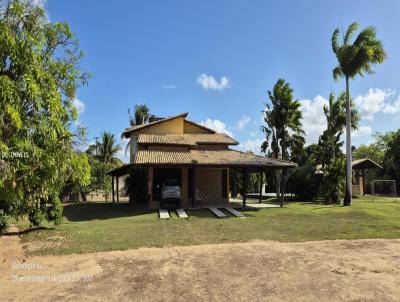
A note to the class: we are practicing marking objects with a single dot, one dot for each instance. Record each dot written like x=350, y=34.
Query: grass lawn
x=93, y=227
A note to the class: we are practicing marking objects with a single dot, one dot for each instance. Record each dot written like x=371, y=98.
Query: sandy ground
x=359, y=270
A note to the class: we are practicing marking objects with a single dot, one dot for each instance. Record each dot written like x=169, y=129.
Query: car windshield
x=170, y=183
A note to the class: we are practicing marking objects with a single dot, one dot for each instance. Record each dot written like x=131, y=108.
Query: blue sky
x=217, y=59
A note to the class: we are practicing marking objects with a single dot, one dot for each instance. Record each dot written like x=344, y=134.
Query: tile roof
x=207, y=158
x=186, y=139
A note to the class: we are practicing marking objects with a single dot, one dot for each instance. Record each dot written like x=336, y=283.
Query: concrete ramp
x=235, y=213
x=182, y=213
x=163, y=213
x=217, y=213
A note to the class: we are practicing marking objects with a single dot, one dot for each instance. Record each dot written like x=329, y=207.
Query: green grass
x=93, y=227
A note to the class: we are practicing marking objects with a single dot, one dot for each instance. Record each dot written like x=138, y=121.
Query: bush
x=334, y=181
x=3, y=222
x=304, y=183
x=55, y=211
x=36, y=217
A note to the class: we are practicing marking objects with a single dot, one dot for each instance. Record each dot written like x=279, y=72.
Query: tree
x=108, y=148
x=283, y=130
x=329, y=153
x=354, y=59
x=102, y=158
x=392, y=157
x=141, y=115
x=329, y=144
x=39, y=76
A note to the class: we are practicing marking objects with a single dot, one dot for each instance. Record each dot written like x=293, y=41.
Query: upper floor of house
x=175, y=133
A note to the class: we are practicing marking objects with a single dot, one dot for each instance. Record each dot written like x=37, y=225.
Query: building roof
x=186, y=139
x=203, y=158
x=129, y=130
x=357, y=164
x=364, y=163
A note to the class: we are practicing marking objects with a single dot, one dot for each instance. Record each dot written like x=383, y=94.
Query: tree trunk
x=347, y=197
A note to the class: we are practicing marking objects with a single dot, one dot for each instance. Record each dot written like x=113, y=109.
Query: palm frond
x=349, y=33
x=335, y=44
x=337, y=73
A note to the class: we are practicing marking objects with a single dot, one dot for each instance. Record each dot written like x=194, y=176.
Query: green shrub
x=334, y=181
x=3, y=222
x=304, y=183
x=55, y=211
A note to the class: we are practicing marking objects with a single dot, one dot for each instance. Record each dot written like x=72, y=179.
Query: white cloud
x=168, y=86
x=253, y=145
x=392, y=108
x=79, y=105
x=362, y=131
x=374, y=101
x=208, y=82
x=241, y=124
x=314, y=121
x=217, y=125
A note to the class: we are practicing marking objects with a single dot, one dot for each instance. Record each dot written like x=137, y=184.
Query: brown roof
x=186, y=139
x=207, y=158
x=364, y=163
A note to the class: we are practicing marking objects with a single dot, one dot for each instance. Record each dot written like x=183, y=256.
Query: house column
x=244, y=187
x=149, y=195
x=193, y=187
x=282, y=199
x=117, y=178
x=112, y=188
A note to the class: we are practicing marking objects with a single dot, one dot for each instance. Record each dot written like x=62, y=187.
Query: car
x=170, y=193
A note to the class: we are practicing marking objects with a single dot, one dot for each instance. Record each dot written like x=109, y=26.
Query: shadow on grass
x=26, y=231
x=80, y=212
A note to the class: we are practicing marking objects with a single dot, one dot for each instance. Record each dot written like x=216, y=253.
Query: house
x=197, y=157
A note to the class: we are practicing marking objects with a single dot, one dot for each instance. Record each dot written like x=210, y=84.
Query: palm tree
x=329, y=143
x=141, y=115
x=108, y=148
x=283, y=130
x=354, y=59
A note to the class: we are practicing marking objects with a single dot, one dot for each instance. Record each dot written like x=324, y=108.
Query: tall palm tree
x=283, y=130
x=108, y=148
x=355, y=59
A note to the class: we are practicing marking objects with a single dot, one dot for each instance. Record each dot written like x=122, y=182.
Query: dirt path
x=360, y=270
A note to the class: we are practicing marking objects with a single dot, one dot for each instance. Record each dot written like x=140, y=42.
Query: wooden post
x=117, y=178
x=244, y=187
x=363, y=181
x=194, y=187
x=112, y=189
x=261, y=185
x=282, y=199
